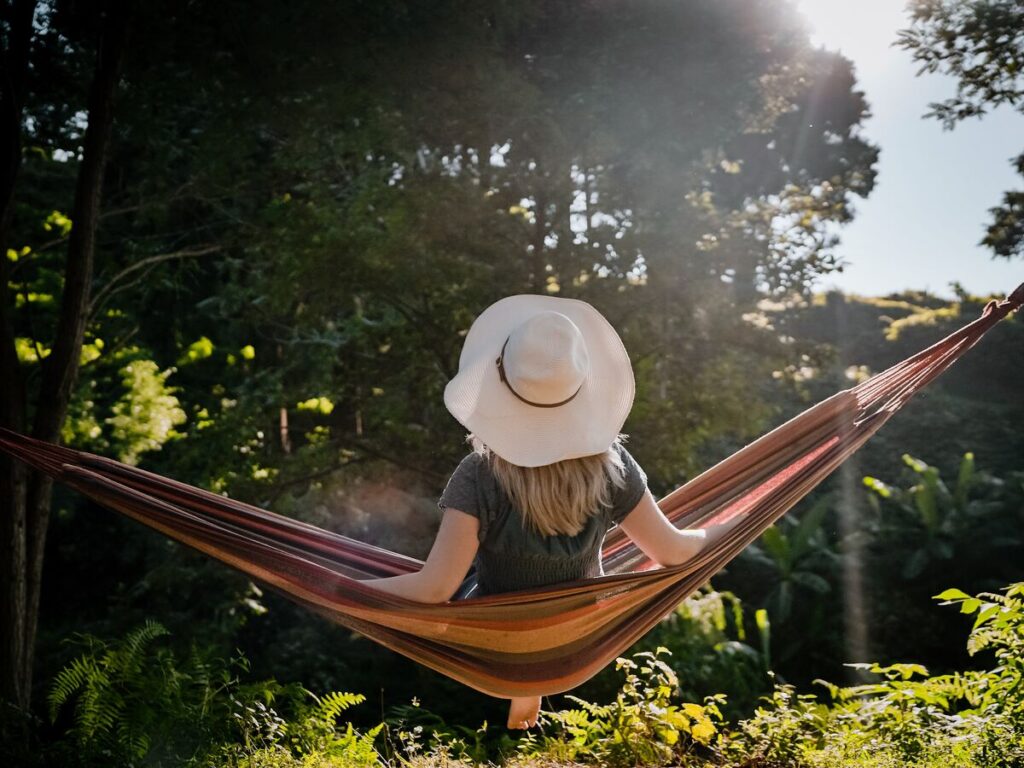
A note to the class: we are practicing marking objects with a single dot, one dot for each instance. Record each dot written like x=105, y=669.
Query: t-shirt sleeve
x=463, y=491
x=625, y=499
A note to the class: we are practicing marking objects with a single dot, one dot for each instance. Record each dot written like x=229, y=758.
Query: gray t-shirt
x=513, y=556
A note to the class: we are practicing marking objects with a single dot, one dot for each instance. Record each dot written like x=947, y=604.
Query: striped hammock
x=537, y=641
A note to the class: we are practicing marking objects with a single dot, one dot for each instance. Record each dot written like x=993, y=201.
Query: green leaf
x=926, y=501
x=876, y=485
x=951, y=594
x=970, y=605
x=987, y=612
x=777, y=546
x=780, y=601
x=915, y=464
x=964, y=481
x=764, y=631
x=809, y=524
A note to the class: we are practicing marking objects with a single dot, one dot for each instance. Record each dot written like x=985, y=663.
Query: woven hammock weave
x=532, y=642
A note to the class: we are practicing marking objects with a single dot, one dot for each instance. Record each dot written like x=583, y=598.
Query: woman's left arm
x=446, y=565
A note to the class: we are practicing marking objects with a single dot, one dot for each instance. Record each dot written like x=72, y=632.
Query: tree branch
x=146, y=264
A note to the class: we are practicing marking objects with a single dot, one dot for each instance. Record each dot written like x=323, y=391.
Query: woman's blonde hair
x=558, y=498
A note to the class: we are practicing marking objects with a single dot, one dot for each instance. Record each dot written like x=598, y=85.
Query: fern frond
x=128, y=656
x=131, y=740
x=68, y=682
x=333, y=704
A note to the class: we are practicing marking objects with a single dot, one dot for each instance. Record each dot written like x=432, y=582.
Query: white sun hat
x=542, y=379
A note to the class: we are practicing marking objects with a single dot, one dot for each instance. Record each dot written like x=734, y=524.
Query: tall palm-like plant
x=798, y=556
x=931, y=521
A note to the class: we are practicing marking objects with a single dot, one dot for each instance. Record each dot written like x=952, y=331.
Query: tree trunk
x=13, y=571
x=26, y=511
x=538, y=257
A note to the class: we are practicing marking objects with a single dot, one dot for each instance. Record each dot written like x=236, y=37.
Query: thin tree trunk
x=538, y=258
x=14, y=59
x=282, y=423
x=59, y=370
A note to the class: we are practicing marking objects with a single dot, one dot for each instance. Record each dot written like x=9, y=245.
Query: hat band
x=504, y=379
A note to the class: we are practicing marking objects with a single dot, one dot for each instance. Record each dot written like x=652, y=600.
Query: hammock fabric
x=532, y=642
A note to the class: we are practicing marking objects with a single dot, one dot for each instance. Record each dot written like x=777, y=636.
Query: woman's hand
x=446, y=565
x=661, y=541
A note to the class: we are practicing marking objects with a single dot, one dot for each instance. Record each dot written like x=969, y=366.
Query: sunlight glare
x=863, y=31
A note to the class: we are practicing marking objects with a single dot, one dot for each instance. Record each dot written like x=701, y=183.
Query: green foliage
x=313, y=269
x=106, y=683
x=309, y=738
x=200, y=349
x=973, y=408
x=144, y=409
x=978, y=43
x=338, y=249
x=783, y=731
x=133, y=702
x=419, y=736
x=970, y=718
x=641, y=727
x=145, y=416
x=131, y=699
x=1005, y=235
x=416, y=733
x=922, y=317
x=711, y=651
x=998, y=628
x=931, y=522
x=309, y=234
x=798, y=556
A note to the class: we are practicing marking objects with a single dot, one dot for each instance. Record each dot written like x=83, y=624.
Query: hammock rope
x=533, y=642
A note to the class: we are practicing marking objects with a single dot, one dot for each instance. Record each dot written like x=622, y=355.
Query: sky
x=921, y=226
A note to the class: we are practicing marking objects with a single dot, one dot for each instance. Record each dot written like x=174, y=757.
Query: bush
x=132, y=701
x=641, y=727
x=135, y=702
x=970, y=718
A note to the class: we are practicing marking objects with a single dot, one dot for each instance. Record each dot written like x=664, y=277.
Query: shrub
x=641, y=727
x=134, y=701
x=969, y=718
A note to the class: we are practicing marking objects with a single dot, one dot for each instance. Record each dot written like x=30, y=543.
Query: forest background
x=242, y=243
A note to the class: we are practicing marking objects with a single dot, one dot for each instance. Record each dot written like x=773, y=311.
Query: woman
x=544, y=387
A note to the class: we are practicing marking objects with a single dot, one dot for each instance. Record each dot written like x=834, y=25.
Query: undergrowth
x=134, y=702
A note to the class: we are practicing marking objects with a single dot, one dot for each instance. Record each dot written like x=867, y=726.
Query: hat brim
x=527, y=435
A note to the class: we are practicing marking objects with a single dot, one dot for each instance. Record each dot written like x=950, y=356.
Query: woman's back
x=513, y=555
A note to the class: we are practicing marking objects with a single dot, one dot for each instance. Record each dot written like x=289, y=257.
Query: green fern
x=103, y=682
x=129, y=696
x=356, y=750
x=133, y=701
x=329, y=707
x=69, y=681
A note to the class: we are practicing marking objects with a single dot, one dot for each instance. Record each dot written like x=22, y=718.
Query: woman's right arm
x=661, y=541
x=446, y=565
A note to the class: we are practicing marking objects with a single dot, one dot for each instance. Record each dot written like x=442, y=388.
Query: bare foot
x=522, y=712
